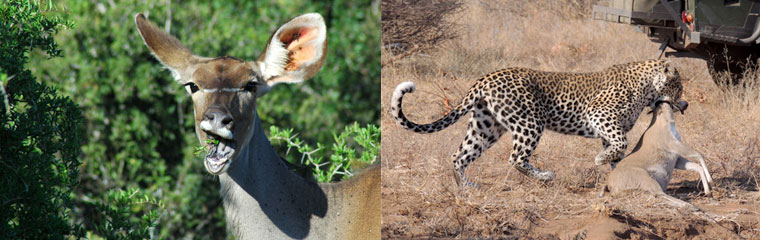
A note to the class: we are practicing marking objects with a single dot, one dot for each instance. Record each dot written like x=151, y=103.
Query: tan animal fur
x=659, y=150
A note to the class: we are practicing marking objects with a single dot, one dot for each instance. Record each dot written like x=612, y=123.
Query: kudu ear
x=682, y=105
x=167, y=49
x=295, y=51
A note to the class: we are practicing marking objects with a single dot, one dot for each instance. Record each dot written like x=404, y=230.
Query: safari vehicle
x=726, y=33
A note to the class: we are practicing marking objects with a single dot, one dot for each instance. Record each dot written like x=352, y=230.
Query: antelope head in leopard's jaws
x=224, y=89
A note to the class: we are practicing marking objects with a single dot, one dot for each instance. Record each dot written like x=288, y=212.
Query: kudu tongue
x=214, y=151
x=211, y=153
x=221, y=146
x=219, y=151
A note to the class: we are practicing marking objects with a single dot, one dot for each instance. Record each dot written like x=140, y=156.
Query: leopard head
x=666, y=81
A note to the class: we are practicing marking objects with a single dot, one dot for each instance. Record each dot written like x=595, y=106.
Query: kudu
x=262, y=198
x=659, y=151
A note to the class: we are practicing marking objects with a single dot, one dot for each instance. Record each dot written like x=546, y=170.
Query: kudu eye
x=250, y=86
x=191, y=87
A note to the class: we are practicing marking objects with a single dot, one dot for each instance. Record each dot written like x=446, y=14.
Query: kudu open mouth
x=220, y=141
x=219, y=153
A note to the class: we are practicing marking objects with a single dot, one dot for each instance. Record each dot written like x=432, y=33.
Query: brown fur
x=659, y=150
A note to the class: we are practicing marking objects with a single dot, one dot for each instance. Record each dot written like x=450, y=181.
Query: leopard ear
x=670, y=70
x=669, y=67
x=682, y=105
x=662, y=72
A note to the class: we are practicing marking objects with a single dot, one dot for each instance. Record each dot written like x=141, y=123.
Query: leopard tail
x=398, y=114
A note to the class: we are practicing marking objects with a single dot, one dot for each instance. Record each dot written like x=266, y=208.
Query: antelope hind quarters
x=659, y=150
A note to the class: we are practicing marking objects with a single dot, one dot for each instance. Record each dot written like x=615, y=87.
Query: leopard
x=603, y=104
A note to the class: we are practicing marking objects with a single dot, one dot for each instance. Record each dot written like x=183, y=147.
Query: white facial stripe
x=213, y=90
x=206, y=125
x=221, y=131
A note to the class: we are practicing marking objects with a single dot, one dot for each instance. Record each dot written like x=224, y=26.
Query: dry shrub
x=738, y=99
x=742, y=90
x=411, y=26
x=538, y=34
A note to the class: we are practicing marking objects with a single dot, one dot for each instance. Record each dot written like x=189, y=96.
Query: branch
x=4, y=94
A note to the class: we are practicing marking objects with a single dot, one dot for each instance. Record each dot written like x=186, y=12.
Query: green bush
x=39, y=131
x=120, y=220
x=344, y=151
x=41, y=137
x=139, y=128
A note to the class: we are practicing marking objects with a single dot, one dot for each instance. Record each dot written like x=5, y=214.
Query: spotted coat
x=603, y=104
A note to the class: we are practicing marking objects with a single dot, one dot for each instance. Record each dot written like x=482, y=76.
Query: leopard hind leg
x=483, y=131
x=526, y=132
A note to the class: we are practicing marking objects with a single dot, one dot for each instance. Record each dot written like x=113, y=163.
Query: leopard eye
x=191, y=87
x=250, y=86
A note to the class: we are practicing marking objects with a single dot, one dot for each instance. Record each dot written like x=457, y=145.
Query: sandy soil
x=421, y=199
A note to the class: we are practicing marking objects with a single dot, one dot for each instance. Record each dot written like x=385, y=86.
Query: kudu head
x=224, y=89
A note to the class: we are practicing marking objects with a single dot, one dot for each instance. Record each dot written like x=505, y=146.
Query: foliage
x=119, y=208
x=139, y=124
x=41, y=137
x=39, y=131
x=343, y=151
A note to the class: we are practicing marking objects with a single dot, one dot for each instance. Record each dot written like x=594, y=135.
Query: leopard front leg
x=614, y=143
x=614, y=163
x=482, y=132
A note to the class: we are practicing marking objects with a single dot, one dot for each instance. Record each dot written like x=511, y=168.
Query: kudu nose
x=217, y=122
x=220, y=117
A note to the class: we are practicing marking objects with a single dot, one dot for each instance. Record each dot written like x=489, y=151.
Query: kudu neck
x=663, y=113
x=263, y=197
x=258, y=158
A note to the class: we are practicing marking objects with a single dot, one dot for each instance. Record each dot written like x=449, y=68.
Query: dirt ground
x=419, y=194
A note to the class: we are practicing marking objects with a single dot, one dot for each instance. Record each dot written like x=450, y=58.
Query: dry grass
x=421, y=199
x=410, y=26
